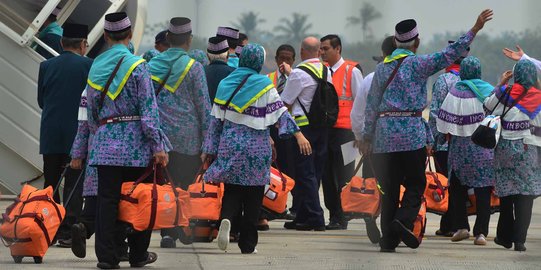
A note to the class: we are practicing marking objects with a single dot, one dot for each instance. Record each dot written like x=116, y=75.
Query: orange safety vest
x=341, y=79
x=272, y=76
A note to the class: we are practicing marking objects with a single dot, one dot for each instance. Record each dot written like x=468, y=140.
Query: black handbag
x=488, y=132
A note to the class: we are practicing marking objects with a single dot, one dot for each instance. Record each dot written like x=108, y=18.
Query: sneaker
x=168, y=242
x=253, y=252
x=223, y=234
x=78, y=240
x=480, y=240
x=460, y=235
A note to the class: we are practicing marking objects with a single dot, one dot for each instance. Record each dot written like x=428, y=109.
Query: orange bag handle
x=434, y=174
x=284, y=180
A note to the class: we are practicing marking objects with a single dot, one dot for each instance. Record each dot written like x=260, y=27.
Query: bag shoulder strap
x=109, y=81
x=164, y=81
x=316, y=78
x=236, y=91
x=391, y=78
x=517, y=100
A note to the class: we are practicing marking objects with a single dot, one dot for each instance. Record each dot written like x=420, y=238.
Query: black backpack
x=324, y=107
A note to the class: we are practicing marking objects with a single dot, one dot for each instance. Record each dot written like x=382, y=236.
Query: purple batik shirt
x=407, y=92
x=185, y=113
x=127, y=144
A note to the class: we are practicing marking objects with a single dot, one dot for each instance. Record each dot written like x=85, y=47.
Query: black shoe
x=336, y=226
x=290, y=216
x=372, y=230
x=444, y=234
x=152, y=257
x=124, y=258
x=520, y=247
x=104, y=265
x=78, y=240
x=506, y=245
x=263, y=227
x=290, y=225
x=234, y=237
x=168, y=242
x=185, y=238
x=64, y=243
x=308, y=227
x=406, y=234
x=387, y=250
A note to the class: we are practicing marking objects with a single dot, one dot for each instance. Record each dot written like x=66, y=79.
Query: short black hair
x=178, y=39
x=117, y=36
x=72, y=43
x=334, y=40
x=233, y=43
x=285, y=47
x=242, y=37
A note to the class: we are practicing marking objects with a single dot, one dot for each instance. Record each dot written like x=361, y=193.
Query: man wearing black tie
x=285, y=158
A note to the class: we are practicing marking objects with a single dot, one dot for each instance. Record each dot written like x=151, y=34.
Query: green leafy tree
x=295, y=29
x=248, y=23
x=368, y=13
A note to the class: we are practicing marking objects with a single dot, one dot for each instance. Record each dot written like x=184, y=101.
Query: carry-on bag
x=153, y=206
x=30, y=223
x=361, y=198
x=436, y=191
x=276, y=193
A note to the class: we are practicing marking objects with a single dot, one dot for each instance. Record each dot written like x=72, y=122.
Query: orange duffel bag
x=30, y=223
x=436, y=191
x=275, y=198
x=419, y=225
x=206, y=205
x=471, y=204
x=361, y=198
x=151, y=206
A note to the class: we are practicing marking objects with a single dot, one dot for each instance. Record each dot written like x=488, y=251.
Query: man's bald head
x=310, y=48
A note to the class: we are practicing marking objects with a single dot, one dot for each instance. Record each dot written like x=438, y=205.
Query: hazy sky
x=433, y=16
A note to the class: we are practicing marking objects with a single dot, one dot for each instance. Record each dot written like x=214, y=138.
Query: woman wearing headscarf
x=516, y=156
x=246, y=104
x=199, y=56
x=470, y=166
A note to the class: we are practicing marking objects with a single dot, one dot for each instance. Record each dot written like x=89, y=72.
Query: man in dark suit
x=61, y=81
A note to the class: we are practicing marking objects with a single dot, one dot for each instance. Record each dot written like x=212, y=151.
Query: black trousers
x=336, y=175
x=458, y=196
x=110, y=232
x=446, y=221
x=285, y=158
x=53, y=165
x=515, y=217
x=88, y=218
x=392, y=169
x=309, y=170
x=243, y=201
x=183, y=169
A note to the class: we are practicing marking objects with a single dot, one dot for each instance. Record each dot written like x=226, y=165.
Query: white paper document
x=349, y=152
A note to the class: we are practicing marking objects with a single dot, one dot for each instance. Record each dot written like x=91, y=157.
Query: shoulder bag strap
x=109, y=81
x=162, y=84
x=316, y=78
x=394, y=73
x=517, y=100
x=236, y=91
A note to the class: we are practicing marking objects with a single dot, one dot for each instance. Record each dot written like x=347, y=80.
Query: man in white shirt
x=346, y=78
x=300, y=87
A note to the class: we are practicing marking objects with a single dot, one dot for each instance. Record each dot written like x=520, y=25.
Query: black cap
x=73, y=30
x=117, y=22
x=406, y=31
x=160, y=37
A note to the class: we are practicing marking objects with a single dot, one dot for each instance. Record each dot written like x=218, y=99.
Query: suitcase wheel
x=38, y=259
x=17, y=259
